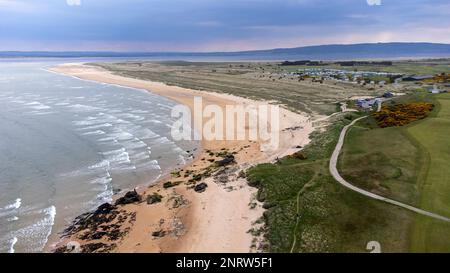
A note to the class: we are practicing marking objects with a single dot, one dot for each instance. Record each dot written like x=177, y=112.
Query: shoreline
x=216, y=220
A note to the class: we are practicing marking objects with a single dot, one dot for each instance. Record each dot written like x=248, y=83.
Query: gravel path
x=342, y=181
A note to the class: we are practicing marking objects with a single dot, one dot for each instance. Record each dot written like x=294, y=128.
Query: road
x=342, y=181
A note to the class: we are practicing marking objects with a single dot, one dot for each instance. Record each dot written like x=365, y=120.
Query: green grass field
x=434, y=136
x=408, y=164
x=310, y=212
x=307, y=210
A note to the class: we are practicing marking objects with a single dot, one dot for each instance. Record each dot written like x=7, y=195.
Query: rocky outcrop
x=129, y=198
x=227, y=160
x=200, y=187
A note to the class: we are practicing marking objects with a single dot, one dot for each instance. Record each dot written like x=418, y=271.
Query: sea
x=68, y=145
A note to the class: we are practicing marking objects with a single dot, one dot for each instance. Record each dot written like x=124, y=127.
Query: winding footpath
x=342, y=181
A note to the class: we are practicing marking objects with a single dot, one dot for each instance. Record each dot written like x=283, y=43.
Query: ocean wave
x=82, y=108
x=154, y=121
x=13, y=243
x=36, y=235
x=135, y=144
x=39, y=113
x=105, y=196
x=62, y=104
x=121, y=135
x=131, y=116
x=99, y=126
x=17, y=203
x=146, y=134
x=94, y=133
x=150, y=165
x=102, y=180
x=86, y=122
x=141, y=156
x=37, y=105
x=107, y=139
x=182, y=160
x=10, y=209
x=165, y=106
x=163, y=140
x=139, y=112
x=113, y=159
x=102, y=164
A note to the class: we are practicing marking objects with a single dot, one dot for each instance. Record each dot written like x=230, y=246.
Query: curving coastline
x=215, y=220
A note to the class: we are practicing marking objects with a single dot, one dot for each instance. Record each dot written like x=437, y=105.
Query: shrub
x=402, y=114
x=154, y=198
x=170, y=184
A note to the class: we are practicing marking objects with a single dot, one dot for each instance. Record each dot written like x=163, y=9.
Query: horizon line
x=214, y=52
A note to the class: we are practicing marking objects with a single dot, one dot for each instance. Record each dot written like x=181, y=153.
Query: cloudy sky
x=216, y=25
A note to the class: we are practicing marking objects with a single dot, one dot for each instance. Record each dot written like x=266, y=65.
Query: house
x=434, y=89
x=416, y=78
x=368, y=104
x=388, y=95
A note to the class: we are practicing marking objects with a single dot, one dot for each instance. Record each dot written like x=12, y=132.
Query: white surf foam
x=94, y=133
x=17, y=203
x=37, y=105
x=36, y=235
x=12, y=219
x=102, y=180
x=99, y=126
x=105, y=196
x=82, y=108
x=13, y=242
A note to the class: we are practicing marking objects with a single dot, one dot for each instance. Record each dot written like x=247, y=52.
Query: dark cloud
x=216, y=24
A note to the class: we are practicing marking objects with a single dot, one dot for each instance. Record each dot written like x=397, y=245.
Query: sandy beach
x=216, y=220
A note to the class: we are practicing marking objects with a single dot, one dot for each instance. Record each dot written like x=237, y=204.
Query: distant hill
x=321, y=52
x=362, y=51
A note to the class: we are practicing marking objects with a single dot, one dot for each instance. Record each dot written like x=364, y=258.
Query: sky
x=216, y=25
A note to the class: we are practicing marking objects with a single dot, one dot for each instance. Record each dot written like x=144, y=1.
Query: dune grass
x=310, y=212
x=260, y=81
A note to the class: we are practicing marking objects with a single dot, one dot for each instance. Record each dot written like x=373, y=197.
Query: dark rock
x=97, y=247
x=129, y=198
x=98, y=235
x=159, y=233
x=197, y=177
x=105, y=213
x=62, y=249
x=200, y=187
x=229, y=159
x=104, y=209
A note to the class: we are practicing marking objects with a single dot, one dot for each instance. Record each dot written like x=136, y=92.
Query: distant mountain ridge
x=320, y=52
